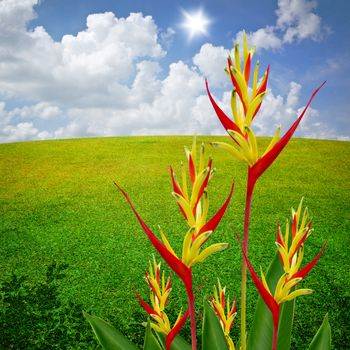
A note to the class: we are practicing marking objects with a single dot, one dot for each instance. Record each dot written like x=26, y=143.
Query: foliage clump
x=32, y=316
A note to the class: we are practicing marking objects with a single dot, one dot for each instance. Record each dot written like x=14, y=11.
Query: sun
x=195, y=23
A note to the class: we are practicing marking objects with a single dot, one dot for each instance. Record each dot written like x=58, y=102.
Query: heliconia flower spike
x=224, y=311
x=290, y=249
x=194, y=205
x=160, y=289
x=291, y=253
x=244, y=109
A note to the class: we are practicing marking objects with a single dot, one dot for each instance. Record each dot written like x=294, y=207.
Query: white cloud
x=15, y=15
x=293, y=94
x=19, y=132
x=89, y=68
x=296, y=20
x=167, y=37
x=43, y=110
x=278, y=110
x=211, y=61
x=263, y=38
x=106, y=81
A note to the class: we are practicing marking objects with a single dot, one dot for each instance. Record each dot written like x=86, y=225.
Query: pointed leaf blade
x=108, y=336
x=285, y=325
x=323, y=338
x=213, y=337
x=151, y=342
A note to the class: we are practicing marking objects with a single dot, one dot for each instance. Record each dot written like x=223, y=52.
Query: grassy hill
x=58, y=202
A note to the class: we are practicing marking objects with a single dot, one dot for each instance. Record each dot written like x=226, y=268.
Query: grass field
x=58, y=202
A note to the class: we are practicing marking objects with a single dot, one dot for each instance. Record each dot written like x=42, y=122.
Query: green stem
x=190, y=297
x=250, y=188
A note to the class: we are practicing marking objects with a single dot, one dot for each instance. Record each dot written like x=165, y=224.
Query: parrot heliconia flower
x=224, y=311
x=245, y=104
x=194, y=207
x=160, y=289
x=246, y=101
x=291, y=253
x=159, y=295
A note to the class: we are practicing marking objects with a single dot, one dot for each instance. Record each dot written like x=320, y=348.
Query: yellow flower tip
x=187, y=151
x=224, y=246
x=206, y=234
x=175, y=195
x=277, y=245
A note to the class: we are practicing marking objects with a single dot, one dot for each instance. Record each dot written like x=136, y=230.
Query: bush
x=32, y=316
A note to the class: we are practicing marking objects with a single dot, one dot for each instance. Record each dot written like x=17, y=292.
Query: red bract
x=305, y=270
x=175, y=330
x=146, y=307
x=175, y=263
x=226, y=122
x=266, y=160
x=265, y=294
x=215, y=220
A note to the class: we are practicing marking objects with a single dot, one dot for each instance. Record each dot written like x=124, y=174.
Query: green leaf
x=178, y=343
x=108, y=336
x=322, y=339
x=213, y=337
x=285, y=325
x=151, y=342
x=260, y=336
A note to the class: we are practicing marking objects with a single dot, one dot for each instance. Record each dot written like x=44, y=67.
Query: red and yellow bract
x=159, y=295
x=194, y=207
x=227, y=317
x=291, y=255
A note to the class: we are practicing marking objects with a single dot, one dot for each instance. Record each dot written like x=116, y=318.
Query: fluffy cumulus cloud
x=108, y=79
x=282, y=111
x=296, y=20
x=210, y=60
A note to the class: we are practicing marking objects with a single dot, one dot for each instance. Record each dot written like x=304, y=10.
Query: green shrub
x=32, y=316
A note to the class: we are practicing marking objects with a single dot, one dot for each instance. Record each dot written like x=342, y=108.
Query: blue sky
x=88, y=68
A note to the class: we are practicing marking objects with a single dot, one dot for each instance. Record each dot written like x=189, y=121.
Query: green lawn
x=58, y=202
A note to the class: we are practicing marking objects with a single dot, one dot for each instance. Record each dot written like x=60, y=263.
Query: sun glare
x=195, y=23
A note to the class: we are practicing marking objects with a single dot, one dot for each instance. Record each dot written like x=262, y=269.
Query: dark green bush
x=32, y=316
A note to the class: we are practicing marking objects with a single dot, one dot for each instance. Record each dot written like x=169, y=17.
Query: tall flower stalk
x=193, y=202
x=291, y=252
x=245, y=104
